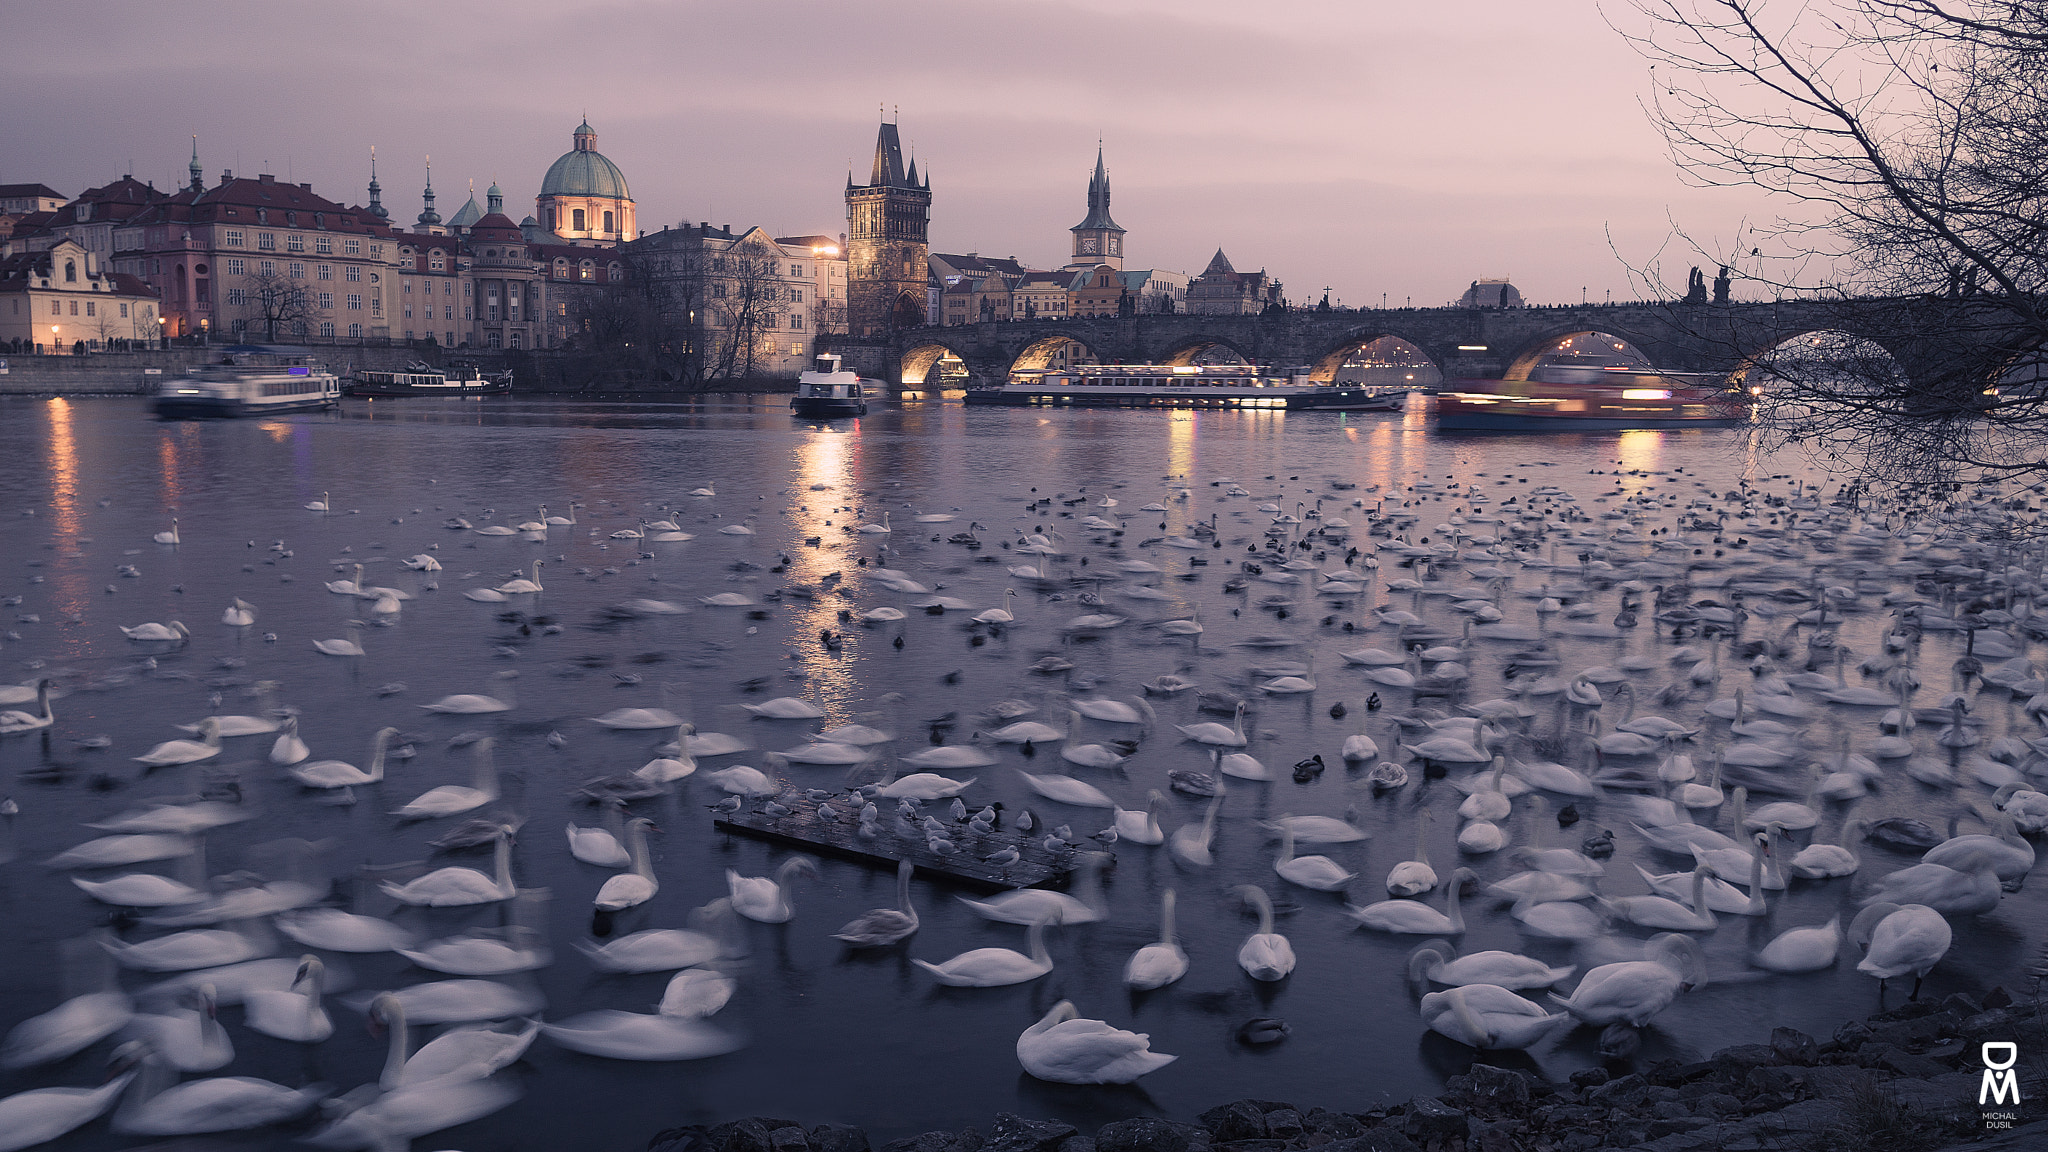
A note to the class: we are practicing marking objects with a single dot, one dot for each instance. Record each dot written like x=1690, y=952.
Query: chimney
x=704, y=225
x=306, y=186
x=726, y=228
x=266, y=178
x=226, y=175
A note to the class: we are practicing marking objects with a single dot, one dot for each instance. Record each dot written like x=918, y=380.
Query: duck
x=1900, y=938
x=458, y=887
x=1065, y=1048
x=637, y=886
x=1488, y=1017
x=337, y=774
x=881, y=927
x=454, y=799
x=1432, y=961
x=1159, y=963
x=1632, y=991
x=1265, y=955
x=997, y=967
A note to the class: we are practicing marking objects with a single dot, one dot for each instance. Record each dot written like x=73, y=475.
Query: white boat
x=238, y=387
x=828, y=390
x=1185, y=386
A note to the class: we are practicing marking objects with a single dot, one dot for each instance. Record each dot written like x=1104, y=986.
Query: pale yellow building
x=65, y=297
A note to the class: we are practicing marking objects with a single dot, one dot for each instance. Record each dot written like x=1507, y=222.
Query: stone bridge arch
x=1323, y=366
x=1037, y=352
x=920, y=361
x=1185, y=349
x=1531, y=353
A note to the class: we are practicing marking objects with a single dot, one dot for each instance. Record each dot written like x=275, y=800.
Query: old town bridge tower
x=887, y=220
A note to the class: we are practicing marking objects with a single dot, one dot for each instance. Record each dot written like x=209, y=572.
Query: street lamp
x=53, y=339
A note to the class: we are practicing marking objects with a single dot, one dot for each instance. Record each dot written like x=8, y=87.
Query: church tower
x=1098, y=240
x=886, y=245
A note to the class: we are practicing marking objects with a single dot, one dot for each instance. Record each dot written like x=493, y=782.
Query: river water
x=833, y=1035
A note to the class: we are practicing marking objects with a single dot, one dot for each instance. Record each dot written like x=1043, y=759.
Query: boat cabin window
x=825, y=364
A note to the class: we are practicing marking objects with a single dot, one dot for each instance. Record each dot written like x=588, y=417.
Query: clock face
x=1114, y=245
x=1088, y=245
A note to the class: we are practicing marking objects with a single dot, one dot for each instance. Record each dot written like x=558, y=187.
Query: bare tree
x=276, y=302
x=1906, y=140
x=744, y=310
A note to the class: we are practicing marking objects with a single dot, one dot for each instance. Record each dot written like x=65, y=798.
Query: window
x=469, y=313
x=607, y=221
x=355, y=302
x=561, y=268
x=408, y=312
x=352, y=274
x=576, y=220
x=718, y=291
x=796, y=269
x=352, y=247
x=448, y=313
x=613, y=273
x=768, y=321
x=267, y=241
x=235, y=266
x=796, y=295
x=435, y=263
x=239, y=326
x=56, y=307
x=327, y=300
x=295, y=243
x=89, y=308
x=232, y=238
x=796, y=348
x=124, y=311
x=561, y=309
x=298, y=270
x=355, y=331
x=324, y=245
x=74, y=307
x=327, y=328
x=234, y=295
x=324, y=272
x=405, y=286
x=796, y=322
x=587, y=271
x=447, y=288
x=515, y=341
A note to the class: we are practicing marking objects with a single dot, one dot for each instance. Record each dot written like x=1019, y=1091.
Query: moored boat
x=419, y=380
x=828, y=390
x=1590, y=400
x=1185, y=386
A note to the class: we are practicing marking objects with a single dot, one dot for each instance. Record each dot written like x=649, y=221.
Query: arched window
x=71, y=271
x=607, y=221
x=588, y=270
x=551, y=218
x=576, y=220
x=561, y=268
x=613, y=273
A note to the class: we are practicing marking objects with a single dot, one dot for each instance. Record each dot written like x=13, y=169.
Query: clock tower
x=1098, y=240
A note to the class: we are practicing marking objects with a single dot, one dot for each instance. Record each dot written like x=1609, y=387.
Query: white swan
x=1487, y=1016
x=766, y=900
x=881, y=927
x=696, y=993
x=482, y=953
x=451, y=799
x=1210, y=732
x=1066, y=1049
x=1632, y=991
x=1431, y=961
x=638, y=885
x=464, y=1001
x=43, y=1114
x=1414, y=877
x=339, y=774
x=1161, y=962
x=288, y=749
x=1067, y=790
x=1318, y=872
x=457, y=887
x=641, y=1036
x=1807, y=949
x=351, y=647
x=292, y=1014
x=153, y=631
x=1265, y=954
x=999, y=615
x=601, y=846
x=996, y=967
x=1664, y=912
x=1414, y=917
x=319, y=505
x=467, y=1052
x=67, y=1029
x=214, y=1104
x=14, y=722
x=654, y=950
x=185, y=751
x=468, y=704
x=785, y=708
x=1898, y=939
x=1026, y=906
x=114, y=851
x=240, y=614
x=523, y=586
x=394, y=1119
x=337, y=931
x=1142, y=826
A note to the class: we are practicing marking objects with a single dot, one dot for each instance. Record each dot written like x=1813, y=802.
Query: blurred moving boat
x=249, y=383
x=1591, y=399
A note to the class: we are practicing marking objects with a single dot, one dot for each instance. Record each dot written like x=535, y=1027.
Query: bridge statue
x=1721, y=286
x=1696, y=287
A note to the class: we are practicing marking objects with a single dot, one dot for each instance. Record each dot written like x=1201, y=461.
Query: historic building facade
x=1222, y=290
x=584, y=195
x=64, y=297
x=887, y=242
x=1098, y=240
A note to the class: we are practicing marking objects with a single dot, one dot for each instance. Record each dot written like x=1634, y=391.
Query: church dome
x=584, y=171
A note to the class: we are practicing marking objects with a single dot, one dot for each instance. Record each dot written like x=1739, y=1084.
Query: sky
x=1380, y=148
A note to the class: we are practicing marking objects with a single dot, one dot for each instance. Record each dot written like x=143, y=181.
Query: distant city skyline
x=1376, y=152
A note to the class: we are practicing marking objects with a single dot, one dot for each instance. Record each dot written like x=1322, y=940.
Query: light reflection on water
x=862, y=1039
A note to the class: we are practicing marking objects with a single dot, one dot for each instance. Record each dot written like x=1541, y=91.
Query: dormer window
x=263, y=215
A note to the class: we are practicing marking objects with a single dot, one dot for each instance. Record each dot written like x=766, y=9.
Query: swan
x=43, y=1114
x=1023, y=732
x=668, y=768
x=1318, y=872
x=114, y=851
x=881, y=927
x=1412, y=917
x=153, y=631
x=458, y=887
x=654, y=950
x=348, y=587
x=1807, y=949
x=1489, y=803
x=641, y=1036
x=926, y=785
x=881, y=529
x=1664, y=912
x=351, y=647
x=1142, y=826
x=67, y=1029
x=1969, y=889
x=393, y=1119
x=637, y=886
x=952, y=756
x=291, y=1014
x=139, y=890
x=1265, y=954
x=1210, y=732
x=14, y=722
x=1414, y=877
x=453, y=799
x=1026, y=906
x=766, y=900
x=1898, y=939
x=1359, y=748
x=215, y=1104
x=634, y=719
x=570, y=519
x=1487, y=1016
x=482, y=953
x=1159, y=963
x=1632, y=991
x=463, y=1053
x=245, y=725
x=2007, y=855
x=696, y=993
x=1431, y=961
x=997, y=967
x=1315, y=829
x=471, y=705
x=600, y=846
x=1068, y=790
x=319, y=505
x=334, y=930
x=744, y=780
x=463, y=1001
x=1065, y=1049
x=485, y=595
x=240, y=614
x=185, y=751
x=999, y=615
x=288, y=749
x=524, y=586
x=744, y=528
x=337, y=774
x=785, y=708
x=1824, y=861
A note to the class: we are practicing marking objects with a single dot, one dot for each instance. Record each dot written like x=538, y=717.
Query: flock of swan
x=1625, y=812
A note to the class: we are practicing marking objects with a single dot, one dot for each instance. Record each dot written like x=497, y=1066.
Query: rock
x=1717, y=1104
x=1852, y=1034
x=688, y=1138
x=1590, y=1077
x=1237, y=1120
x=1266, y=1145
x=1779, y=1081
x=1910, y=1010
x=1149, y=1134
x=1907, y=1033
x=1742, y=1057
x=1500, y=1086
x=1669, y=1110
x=1992, y=1021
x=1374, y=1140
x=1491, y=1138
x=1961, y=1003
x=790, y=1139
x=838, y=1138
x=1671, y=1126
x=966, y=1140
x=1616, y=1092
x=1429, y=1118
x=1337, y=1125
x=1013, y=1133
x=1998, y=997
x=747, y=1135
x=1283, y=1123
x=1906, y=1064
x=1794, y=1047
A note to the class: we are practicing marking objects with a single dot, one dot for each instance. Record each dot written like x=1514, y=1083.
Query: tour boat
x=249, y=389
x=1185, y=386
x=1591, y=400
x=420, y=380
x=828, y=390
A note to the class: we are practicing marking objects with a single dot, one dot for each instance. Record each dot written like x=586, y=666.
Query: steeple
x=494, y=200
x=1098, y=197
x=586, y=136
x=198, y=180
x=428, y=216
x=888, y=167
x=377, y=208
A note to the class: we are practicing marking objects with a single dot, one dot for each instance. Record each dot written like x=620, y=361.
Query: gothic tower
x=886, y=246
x=1098, y=240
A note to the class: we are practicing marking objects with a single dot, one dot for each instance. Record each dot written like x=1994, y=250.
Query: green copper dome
x=584, y=171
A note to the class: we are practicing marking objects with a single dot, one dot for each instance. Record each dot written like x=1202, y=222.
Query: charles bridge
x=1463, y=343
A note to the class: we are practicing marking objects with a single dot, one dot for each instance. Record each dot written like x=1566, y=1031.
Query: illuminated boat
x=828, y=390
x=1591, y=400
x=1184, y=386
x=420, y=380
x=241, y=388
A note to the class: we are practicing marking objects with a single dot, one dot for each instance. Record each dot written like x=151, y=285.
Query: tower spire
x=377, y=208
x=198, y=181
x=427, y=215
x=887, y=171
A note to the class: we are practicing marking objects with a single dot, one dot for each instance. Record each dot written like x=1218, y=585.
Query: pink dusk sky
x=1372, y=146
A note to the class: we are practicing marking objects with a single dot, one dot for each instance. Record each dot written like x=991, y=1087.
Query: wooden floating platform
x=1036, y=867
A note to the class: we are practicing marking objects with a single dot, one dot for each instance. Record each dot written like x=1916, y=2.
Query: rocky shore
x=1905, y=1080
